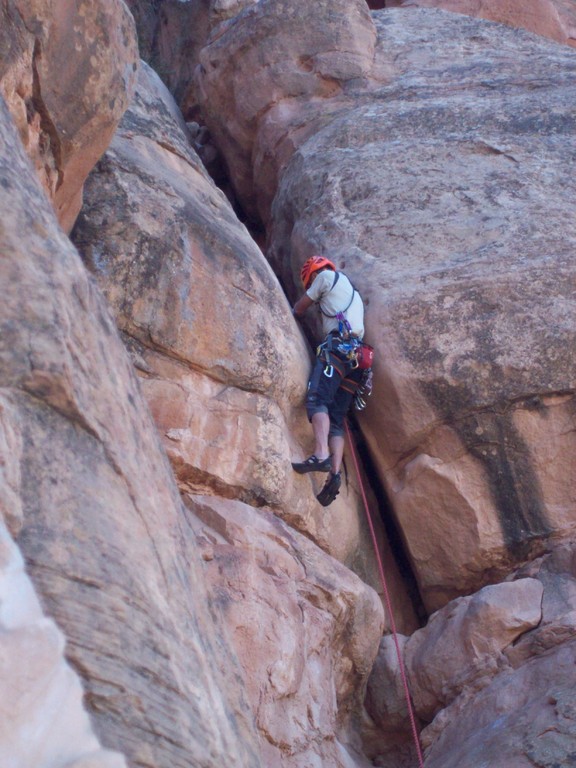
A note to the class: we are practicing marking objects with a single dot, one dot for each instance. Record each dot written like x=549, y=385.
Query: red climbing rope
x=388, y=602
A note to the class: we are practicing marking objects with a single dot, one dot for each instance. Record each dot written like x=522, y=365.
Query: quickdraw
x=347, y=347
x=363, y=391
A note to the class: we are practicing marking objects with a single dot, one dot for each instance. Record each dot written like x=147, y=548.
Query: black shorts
x=330, y=390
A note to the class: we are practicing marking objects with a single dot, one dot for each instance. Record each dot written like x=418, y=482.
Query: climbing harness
x=345, y=352
x=362, y=354
x=327, y=353
x=387, y=600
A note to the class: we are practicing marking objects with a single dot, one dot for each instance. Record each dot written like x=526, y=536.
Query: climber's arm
x=302, y=305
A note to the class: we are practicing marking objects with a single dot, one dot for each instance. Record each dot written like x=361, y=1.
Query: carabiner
x=329, y=368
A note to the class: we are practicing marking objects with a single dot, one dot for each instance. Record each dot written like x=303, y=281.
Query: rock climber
x=336, y=374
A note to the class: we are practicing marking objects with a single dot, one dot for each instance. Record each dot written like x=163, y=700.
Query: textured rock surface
x=551, y=18
x=234, y=371
x=222, y=362
x=450, y=206
x=171, y=35
x=446, y=200
x=523, y=719
x=429, y=184
x=431, y=154
x=557, y=573
x=463, y=644
x=312, y=626
x=43, y=721
x=471, y=666
x=114, y=554
x=273, y=66
x=388, y=734
x=49, y=51
x=103, y=530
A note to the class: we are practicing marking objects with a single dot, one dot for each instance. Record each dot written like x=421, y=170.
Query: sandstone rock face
x=44, y=723
x=388, y=735
x=171, y=35
x=525, y=718
x=557, y=573
x=49, y=51
x=430, y=184
x=471, y=667
x=102, y=526
x=385, y=699
x=312, y=626
x=145, y=15
x=297, y=58
x=474, y=392
x=223, y=376
x=430, y=154
x=222, y=363
x=462, y=645
x=449, y=206
x=114, y=552
x=551, y=18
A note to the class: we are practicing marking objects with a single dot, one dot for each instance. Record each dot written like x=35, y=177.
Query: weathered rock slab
x=50, y=51
x=462, y=646
x=522, y=719
x=555, y=19
x=306, y=631
x=99, y=519
x=43, y=720
x=449, y=202
x=267, y=67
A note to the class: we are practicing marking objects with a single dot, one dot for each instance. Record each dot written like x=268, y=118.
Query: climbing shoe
x=331, y=489
x=312, y=464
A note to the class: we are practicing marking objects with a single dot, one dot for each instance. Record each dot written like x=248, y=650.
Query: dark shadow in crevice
x=389, y=523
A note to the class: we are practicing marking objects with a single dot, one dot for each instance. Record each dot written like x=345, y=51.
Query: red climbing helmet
x=311, y=266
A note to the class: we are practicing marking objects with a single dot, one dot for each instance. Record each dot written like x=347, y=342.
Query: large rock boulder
x=269, y=75
x=213, y=337
x=555, y=19
x=463, y=645
x=557, y=573
x=490, y=674
x=450, y=206
x=305, y=629
x=171, y=34
x=95, y=508
x=523, y=719
x=49, y=51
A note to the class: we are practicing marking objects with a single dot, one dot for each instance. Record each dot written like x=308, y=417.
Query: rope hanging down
x=387, y=600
